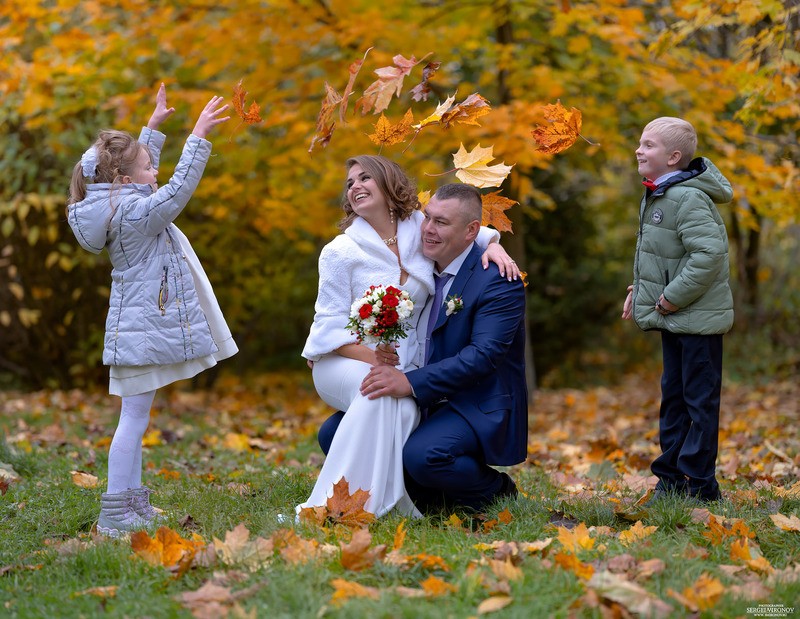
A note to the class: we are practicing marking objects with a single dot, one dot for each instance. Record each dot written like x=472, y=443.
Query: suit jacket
x=477, y=363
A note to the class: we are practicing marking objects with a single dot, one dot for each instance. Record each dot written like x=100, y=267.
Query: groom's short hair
x=468, y=196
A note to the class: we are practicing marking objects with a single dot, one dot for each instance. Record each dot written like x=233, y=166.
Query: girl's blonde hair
x=399, y=190
x=677, y=134
x=117, y=152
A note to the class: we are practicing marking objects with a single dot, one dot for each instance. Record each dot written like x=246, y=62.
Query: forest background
x=269, y=200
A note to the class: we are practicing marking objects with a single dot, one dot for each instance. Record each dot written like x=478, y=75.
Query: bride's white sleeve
x=332, y=309
x=486, y=236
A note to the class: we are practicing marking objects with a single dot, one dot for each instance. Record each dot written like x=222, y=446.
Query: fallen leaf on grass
x=84, y=479
x=494, y=603
x=357, y=555
x=702, y=595
x=628, y=594
x=571, y=563
x=637, y=532
x=786, y=523
x=436, y=587
x=341, y=508
x=576, y=538
x=346, y=589
x=239, y=549
x=101, y=592
x=167, y=549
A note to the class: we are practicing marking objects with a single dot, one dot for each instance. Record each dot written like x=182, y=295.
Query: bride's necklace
x=391, y=240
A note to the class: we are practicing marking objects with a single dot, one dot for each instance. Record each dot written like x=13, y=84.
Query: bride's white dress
x=367, y=449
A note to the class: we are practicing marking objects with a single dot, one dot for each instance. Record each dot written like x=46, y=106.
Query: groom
x=471, y=389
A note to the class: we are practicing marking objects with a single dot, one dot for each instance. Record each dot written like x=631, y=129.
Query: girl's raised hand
x=209, y=117
x=162, y=112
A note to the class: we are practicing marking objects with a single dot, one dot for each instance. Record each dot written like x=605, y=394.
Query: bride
x=380, y=245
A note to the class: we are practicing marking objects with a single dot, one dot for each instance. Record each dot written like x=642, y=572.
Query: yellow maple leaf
x=435, y=587
x=636, y=532
x=573, y=564
x=167, y=549
x=505, y=569
x=494, y=603
x=387, y=134
x=455, y=522
x=424, y=197
x=84, y=479
x=473, y=169
x=561, y=133
x=345, y=589
x=740, y=550
x=575, y=539
x=786, y=523
x=239, y=549
x=705, y=592
x=399, y=536
x=437, y=113
x=494, y=207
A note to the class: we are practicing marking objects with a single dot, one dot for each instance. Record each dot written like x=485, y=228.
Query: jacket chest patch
x=658, y=216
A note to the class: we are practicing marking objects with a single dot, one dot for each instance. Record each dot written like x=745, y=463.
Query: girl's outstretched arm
x=162, y=112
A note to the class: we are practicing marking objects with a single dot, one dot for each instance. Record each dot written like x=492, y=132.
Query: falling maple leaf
x=325, y=125
x=637, y=532
x=389, y=83
x=472, y=167
x=253, y=114
x=422, y=91
x=353, y=70
x=387, y=134
x=357, y=555
x=436, y=117
x=494, y=207
x=467, y=112
x=84, y=479
x=561, y=133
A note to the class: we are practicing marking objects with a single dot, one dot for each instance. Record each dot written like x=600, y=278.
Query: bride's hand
x=385, y=354
x=497, y=254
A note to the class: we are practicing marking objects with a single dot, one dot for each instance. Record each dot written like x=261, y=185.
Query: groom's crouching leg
x=327, y=431
x=444, y=455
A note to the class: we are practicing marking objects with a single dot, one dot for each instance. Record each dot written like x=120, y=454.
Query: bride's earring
x=391, y=215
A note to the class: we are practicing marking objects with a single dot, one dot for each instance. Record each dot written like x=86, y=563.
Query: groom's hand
x=384, y=380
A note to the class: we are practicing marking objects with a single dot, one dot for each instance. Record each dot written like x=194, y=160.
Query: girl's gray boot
x=141, y=503
x=118, y=514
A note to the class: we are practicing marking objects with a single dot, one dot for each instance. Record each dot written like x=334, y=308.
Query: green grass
x=218, y=487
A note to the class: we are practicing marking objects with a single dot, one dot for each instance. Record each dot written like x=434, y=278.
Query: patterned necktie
x=440, y=281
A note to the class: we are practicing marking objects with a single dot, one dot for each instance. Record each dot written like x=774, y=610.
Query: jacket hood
x=701, y=174
x=90, y=218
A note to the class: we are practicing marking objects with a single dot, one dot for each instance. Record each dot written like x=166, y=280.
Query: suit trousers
x=691, y=386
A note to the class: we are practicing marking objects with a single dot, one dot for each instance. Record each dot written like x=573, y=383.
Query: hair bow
x=89, y=163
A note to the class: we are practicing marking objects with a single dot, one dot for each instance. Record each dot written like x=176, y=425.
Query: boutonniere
x=453, y=304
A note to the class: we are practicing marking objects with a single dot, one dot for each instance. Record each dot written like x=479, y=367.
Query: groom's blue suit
x=473, y=391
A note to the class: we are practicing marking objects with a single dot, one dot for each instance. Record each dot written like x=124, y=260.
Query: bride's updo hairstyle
x=399, y=191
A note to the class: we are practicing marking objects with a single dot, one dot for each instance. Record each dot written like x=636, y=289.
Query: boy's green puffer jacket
x=682, y=252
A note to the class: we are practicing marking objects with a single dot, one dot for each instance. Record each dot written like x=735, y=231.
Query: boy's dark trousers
x=689, y=418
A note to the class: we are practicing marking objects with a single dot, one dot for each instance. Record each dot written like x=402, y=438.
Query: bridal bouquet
x=381, y=315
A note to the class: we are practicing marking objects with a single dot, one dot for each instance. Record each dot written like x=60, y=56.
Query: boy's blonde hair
x=677, y=134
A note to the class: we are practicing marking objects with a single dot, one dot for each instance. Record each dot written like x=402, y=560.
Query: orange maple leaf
x=575, y=539
x=702, y=595
x=167, y=549
x=387, y=134
x=355, y=67
x=389, y=83
x=637, y=532
x=345, y=589
x=494, y=207
x=357, y=555
x=341, y=508
x=467, y=112
x=573, y=564
x=325, y=126
x=505, y=516
x=253, y=114
x=422, y=91
x=435, y=587
x=561, y=133
x=399, y=536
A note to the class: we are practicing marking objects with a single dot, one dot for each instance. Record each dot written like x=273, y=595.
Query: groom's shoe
x=508, y=489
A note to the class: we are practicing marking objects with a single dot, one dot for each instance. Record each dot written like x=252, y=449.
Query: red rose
x=390, y=317
x=393, y=290
x=365, y=310
x=389, y=300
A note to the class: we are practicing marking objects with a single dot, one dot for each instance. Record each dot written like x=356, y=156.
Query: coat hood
x=701, y=174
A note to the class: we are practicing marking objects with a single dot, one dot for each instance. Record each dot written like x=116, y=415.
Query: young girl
x=164, y=323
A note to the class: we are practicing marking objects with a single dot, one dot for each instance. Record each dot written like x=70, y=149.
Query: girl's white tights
x=125, y=454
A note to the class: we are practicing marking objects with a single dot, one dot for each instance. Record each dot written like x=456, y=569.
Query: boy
x=681, y=288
